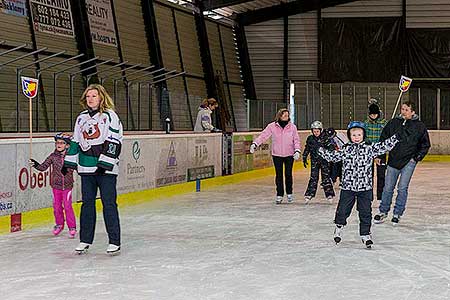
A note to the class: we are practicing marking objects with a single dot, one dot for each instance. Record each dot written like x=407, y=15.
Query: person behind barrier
x=94, y=152
x=62, y=183
x=285, y=149
x=204, y=121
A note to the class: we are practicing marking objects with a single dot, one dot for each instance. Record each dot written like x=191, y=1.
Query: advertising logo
x=136, y=151
x=172, y=157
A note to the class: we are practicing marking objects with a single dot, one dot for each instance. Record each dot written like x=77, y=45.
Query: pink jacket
x=285, y=141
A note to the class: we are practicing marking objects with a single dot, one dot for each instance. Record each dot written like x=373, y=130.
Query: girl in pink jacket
x=61, y=183
x=285, y=149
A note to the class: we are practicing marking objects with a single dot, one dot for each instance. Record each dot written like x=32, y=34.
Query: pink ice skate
x=57, y=229
x=72, y=232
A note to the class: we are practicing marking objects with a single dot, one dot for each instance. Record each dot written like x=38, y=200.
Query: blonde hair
x=209, y=102
x=280, y=113
x=106, y=101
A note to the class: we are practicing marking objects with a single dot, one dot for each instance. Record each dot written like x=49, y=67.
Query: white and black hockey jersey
x=357, y=160
x=96, y=143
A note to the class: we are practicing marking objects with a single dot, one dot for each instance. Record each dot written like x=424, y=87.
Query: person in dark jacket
x=402, y=160
x=318, y=164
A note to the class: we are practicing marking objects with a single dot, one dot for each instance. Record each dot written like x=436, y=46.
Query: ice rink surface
x=232, y=242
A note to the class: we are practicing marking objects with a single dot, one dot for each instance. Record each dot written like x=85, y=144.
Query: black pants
x=336, y=171
x=364, y=207
x=381, y=174
x=88, y=217
x=288, y=162
x=320, y=166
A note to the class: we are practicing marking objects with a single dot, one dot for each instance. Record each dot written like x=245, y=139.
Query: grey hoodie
x=203, y=122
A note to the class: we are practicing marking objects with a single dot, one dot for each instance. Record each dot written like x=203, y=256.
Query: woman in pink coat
x=285, y=149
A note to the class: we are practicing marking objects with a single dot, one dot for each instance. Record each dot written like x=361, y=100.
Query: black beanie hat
x=374, y=109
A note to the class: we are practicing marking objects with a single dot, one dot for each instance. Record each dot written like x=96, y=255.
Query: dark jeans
x=288, y=162
x=88, y=217
x=381, y=174
x=320, y=166
x=364, y=207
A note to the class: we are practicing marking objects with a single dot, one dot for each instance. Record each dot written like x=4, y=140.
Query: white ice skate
x=367, y=240
x=330, y=199
x=113, y=249
x=279, y=199
x=82, y=248
x=338, y=233
x=290, y=198
x=379, y=218
x=308, y=199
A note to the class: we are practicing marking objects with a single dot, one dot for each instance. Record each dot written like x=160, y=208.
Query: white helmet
x=316, y=125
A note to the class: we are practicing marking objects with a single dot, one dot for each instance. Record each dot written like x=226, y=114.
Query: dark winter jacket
x=312, y=146
x=414, y=146
x=58, y=181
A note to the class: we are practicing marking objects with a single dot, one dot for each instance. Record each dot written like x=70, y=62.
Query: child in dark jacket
x=318, y=165
x=357, y=157
x=61, y=183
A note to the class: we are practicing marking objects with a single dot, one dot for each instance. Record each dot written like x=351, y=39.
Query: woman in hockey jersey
x=94, y=152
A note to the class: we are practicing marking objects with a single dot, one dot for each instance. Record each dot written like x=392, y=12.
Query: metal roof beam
x=214, y=4
x=285, y=9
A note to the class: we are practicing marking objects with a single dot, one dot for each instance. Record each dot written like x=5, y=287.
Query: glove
x=253, y=147
x=33, y=163
x=100, y=171
x=216, y=130
x=305, y=162
x=64, y=170
x=297, y=155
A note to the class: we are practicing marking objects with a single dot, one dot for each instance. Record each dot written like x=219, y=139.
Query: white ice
x=232, y=242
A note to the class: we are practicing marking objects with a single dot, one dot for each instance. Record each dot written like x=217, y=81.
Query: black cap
x=374, y=109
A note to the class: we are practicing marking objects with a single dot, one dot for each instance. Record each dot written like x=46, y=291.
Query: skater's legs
x=278, y=163
x=402, y=188
x=58, y=207
x=108, y=194
x=326, y=180
x=364, y=207
x=388, y=190
x=345, y=205
x=68, y=209
x=288, y=164
x=381, y=174
x=313, y=180
x=88, y=215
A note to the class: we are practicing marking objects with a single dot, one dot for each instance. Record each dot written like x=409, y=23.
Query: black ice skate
x=395, y=220
x=379, y=218
x=367, y=240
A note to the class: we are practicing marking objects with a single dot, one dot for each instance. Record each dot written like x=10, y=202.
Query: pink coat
x=285, y=141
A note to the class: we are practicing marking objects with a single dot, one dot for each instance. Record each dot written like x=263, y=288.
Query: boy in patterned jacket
x=357, y=157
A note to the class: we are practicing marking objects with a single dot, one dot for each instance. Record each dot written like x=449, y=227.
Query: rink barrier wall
x=44, y=216
x=149, y=162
